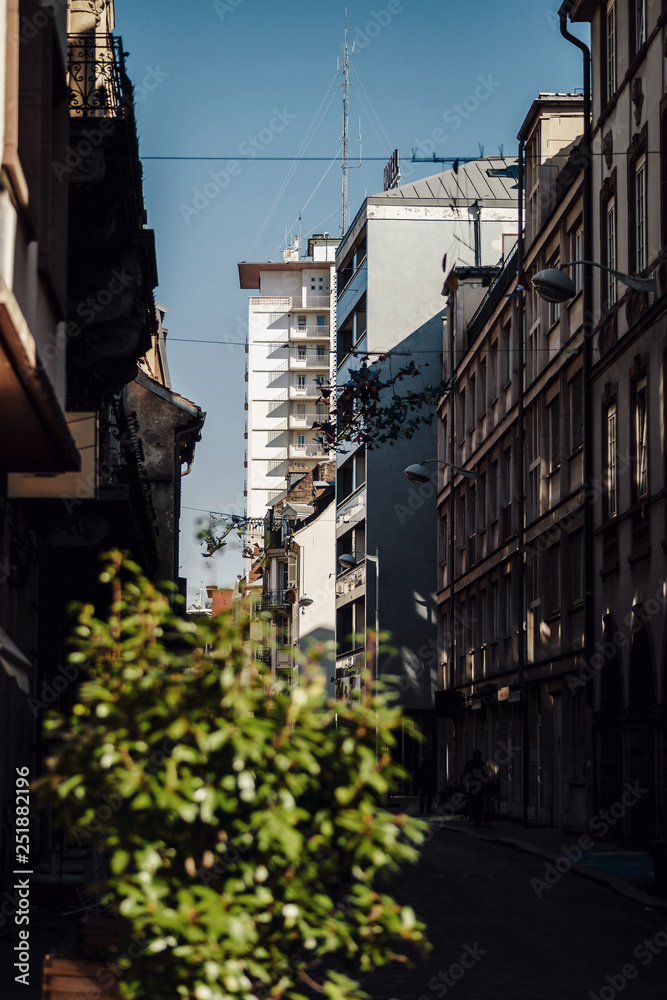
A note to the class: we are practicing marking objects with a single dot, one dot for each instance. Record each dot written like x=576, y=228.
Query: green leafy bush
x=244, y=822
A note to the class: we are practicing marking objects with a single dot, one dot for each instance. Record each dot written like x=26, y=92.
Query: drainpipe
x=587, y=359
x=194, y=429
x=520, y=466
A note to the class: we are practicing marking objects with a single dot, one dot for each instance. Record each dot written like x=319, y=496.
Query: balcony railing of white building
x=309, y=332
x=297, y=361
x=305, y=421
x=307, y=451
x=270, y=301
x=351, y=580
x=307, y=391
x=308, y=301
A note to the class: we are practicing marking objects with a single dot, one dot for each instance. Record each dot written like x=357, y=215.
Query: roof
x=249, y=271
x=570, y=102
x=459, y=188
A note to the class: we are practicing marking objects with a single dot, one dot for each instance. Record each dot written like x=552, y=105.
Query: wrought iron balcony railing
x=98, y=84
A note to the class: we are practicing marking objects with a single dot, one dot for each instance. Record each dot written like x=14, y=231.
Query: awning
x=14, y=663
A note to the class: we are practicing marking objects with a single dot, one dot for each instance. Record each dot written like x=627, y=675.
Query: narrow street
x=478, y=901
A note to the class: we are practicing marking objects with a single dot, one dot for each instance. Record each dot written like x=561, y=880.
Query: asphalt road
x=494, y=939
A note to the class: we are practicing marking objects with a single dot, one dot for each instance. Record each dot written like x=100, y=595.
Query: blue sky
x=246, y=79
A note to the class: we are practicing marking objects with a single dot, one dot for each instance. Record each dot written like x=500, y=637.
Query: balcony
x=305, y=392
x=305, y=421
x=307, y=451
x=310, y=332
x=277, y=598
x=351, y=581
x=308, y=301
x=98, y=84
x=352, y=510
x=299, y=362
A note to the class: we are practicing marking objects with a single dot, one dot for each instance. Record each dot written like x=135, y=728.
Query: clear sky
x=246, y=79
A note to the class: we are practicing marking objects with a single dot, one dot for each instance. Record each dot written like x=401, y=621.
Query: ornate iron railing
x=98, y=84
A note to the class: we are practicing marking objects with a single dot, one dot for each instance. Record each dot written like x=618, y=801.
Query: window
x=301, y=440
x=554, y=434
x=577, y=566
x=505, y=355
x=322, y=411
x=321, y=352
x=611, y=50
x=577, y=250
x=641, y=439
x=493, y=372
x=552, y=581
x=493, y=492
x=576, y=412
x=484, y=614
x=301, y=409
x=640, y=215
x=301, y=351
x=301, y=322
x=301, y=381
x=508, y=605
x=321, y=320
x=611, y=459
x=554, y=307
x=495, y=622
x=482, y=503
x=611, y=251
x=640, y=24
x=507, y=478
x=482, y=388
x=462, y=412
x=472, y=386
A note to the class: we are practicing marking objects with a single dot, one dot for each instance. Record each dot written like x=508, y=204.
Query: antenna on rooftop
x=346, y=84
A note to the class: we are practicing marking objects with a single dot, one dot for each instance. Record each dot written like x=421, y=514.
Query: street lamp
x=348, y=560
x=554, y=286
x=420, y=475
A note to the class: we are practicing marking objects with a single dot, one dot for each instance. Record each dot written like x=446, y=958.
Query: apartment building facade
x=629, y=380
x=289, y=357
x=510, y=589
x=389, y=310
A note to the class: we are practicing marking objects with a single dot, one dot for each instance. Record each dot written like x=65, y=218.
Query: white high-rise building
x=290, y=351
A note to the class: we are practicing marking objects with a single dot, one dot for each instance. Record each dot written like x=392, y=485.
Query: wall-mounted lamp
x=554, y=286
x=419, y=473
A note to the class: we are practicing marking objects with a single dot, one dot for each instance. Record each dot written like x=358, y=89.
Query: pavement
x=626, y=872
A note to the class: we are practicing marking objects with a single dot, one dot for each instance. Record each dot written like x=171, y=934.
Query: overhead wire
x=310, y=135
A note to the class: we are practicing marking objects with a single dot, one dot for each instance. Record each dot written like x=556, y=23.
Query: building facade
x=289, y=348
x=510, y=592
x=629, y=381
x=389, y=310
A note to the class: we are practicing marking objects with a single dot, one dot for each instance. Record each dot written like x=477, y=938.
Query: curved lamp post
x=350, y=559
x=554, y=286
x=419, y=473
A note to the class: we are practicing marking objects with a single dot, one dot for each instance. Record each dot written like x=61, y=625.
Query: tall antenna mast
x=346, y=84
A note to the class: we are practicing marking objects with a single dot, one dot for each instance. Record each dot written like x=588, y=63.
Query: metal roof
x=459, y=189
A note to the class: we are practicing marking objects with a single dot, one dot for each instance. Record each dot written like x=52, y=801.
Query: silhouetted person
x=476, y=780
x=426, y=783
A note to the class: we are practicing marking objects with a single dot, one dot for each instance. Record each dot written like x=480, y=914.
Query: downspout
x=194, y=429
x=521, y=490
x=587, y=359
